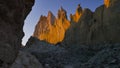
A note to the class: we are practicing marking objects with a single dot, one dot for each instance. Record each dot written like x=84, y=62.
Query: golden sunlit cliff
x=107, y=3
x=110, y=3
x=52, y=29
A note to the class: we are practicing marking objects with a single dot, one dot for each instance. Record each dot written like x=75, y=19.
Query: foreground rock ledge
x=12, y=16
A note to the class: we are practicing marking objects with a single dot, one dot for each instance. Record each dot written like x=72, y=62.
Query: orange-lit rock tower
x=77, y=15
x=107, y=3
x=52, y=29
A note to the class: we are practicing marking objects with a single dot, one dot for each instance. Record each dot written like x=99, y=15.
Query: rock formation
x=109, y=3
x=91, y=41
x=52, y=29
x=26, y=60
x=96, y=27
x=77, y=15
x=86, y=26
x=78, y=31
x=50, y=56
x=12, y=15
x=76, y=56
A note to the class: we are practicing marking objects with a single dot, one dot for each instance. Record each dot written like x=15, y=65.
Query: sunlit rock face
x=109, y=3
x=12, y=15
x=77, y=14
x=52, y=29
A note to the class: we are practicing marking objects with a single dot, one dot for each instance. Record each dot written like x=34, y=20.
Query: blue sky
x=42, y=7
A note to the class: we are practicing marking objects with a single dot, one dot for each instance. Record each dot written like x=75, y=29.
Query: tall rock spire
x=52, y=29
x=77, y=15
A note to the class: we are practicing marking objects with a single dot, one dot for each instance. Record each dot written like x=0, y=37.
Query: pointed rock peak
x=61, y=8
x=50, y=18
x=79, y=8
x=50, y=13
x=62, y=13
x=43, y=18
x=77, y=14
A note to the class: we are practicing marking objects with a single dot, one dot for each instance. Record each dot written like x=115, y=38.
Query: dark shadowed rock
x=26, y=60
x=96, y=27
x=106, y=58
x=78, y=32
x=12, y=15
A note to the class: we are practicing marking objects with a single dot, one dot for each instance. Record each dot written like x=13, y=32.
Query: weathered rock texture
x=52, y=29
x=12, y=15
x=26, y=60
x=76, y=56
x=96, y=27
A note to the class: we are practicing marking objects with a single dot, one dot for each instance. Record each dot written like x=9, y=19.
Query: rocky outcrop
x=77, y=15
x=96, y=27
x=107, y=58
x=78, y=32
x=52, y=29
x=50, y=56
x=12, y=15
x=26, y=60
x=76, y=56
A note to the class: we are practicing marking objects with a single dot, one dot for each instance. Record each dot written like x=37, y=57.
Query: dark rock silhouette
x=12, y=16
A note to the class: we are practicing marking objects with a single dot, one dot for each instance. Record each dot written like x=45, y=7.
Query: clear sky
x=42, y=7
